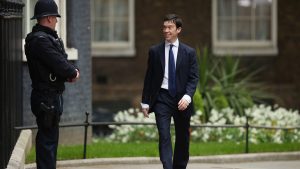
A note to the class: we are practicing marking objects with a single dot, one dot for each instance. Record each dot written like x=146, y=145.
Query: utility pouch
x=49, y=116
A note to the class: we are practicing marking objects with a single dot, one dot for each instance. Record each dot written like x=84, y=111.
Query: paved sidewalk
x=289, y=160
x=252, y=165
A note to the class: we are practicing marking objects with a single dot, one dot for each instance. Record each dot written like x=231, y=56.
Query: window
x=28, y=11
x=112, y=28
x=245, y=27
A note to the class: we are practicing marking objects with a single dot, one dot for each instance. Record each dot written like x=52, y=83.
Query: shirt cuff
x=145, y=106
x=187, y=98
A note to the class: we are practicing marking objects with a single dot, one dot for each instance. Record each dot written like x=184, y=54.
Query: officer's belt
x=46, y=89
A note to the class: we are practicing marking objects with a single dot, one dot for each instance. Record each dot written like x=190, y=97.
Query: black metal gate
x=10, y=75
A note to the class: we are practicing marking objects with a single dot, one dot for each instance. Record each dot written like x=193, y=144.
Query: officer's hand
x=76, y=78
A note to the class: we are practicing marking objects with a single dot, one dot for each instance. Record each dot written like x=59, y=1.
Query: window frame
x=61, y=28
x=117, y=49
x=244, y=47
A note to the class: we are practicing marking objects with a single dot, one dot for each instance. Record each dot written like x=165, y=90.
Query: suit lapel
x=179, y=56
x=162, y=55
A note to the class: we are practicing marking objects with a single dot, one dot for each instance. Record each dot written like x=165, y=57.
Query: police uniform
x=49, y=69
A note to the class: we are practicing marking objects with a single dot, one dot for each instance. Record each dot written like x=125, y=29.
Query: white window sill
x=113, y=52
x=245, y=51
x=72, y=54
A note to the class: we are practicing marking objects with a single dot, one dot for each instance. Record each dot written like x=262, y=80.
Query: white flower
x=258, y=115
x=131, y=110
x=205, y=137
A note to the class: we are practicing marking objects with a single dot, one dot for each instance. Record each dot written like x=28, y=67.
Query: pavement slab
x=250, y=165
x=284, y=160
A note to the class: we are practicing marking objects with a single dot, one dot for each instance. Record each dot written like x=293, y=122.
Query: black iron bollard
x=85, y=133
x=247, y=135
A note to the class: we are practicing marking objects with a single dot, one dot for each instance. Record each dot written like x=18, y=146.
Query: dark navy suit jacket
x=186, y=73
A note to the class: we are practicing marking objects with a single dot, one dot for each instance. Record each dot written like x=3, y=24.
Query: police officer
x=49, y=69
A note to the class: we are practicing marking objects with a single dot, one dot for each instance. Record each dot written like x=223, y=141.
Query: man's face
x=52, y=21
x=170, y=31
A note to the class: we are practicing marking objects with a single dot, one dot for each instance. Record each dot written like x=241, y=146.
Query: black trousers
x=165, y=108
x=47, y=136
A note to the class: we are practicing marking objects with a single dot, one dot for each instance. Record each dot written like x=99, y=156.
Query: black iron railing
x=87, y=123
x=10, y=75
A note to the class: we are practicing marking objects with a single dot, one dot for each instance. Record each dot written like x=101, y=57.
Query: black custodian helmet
x=44, y=8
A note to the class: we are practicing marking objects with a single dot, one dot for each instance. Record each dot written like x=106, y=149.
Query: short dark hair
x=175, y=19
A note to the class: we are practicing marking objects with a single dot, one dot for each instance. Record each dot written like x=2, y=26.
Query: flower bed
x=260, y=115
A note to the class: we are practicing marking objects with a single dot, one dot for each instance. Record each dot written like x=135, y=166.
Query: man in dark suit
x=169, y=86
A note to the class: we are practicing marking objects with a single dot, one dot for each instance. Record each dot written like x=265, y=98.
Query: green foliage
x=198, y=102
x=104, y=149
x=222, y=83
x=203, y=99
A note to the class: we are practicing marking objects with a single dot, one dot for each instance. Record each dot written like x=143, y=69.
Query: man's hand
x=145, y=112
x=183, y=104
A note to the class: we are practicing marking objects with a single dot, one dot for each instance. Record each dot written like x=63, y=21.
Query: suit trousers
x=165, y=108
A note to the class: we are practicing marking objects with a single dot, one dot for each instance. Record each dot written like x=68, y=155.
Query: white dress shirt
x=164, y=84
